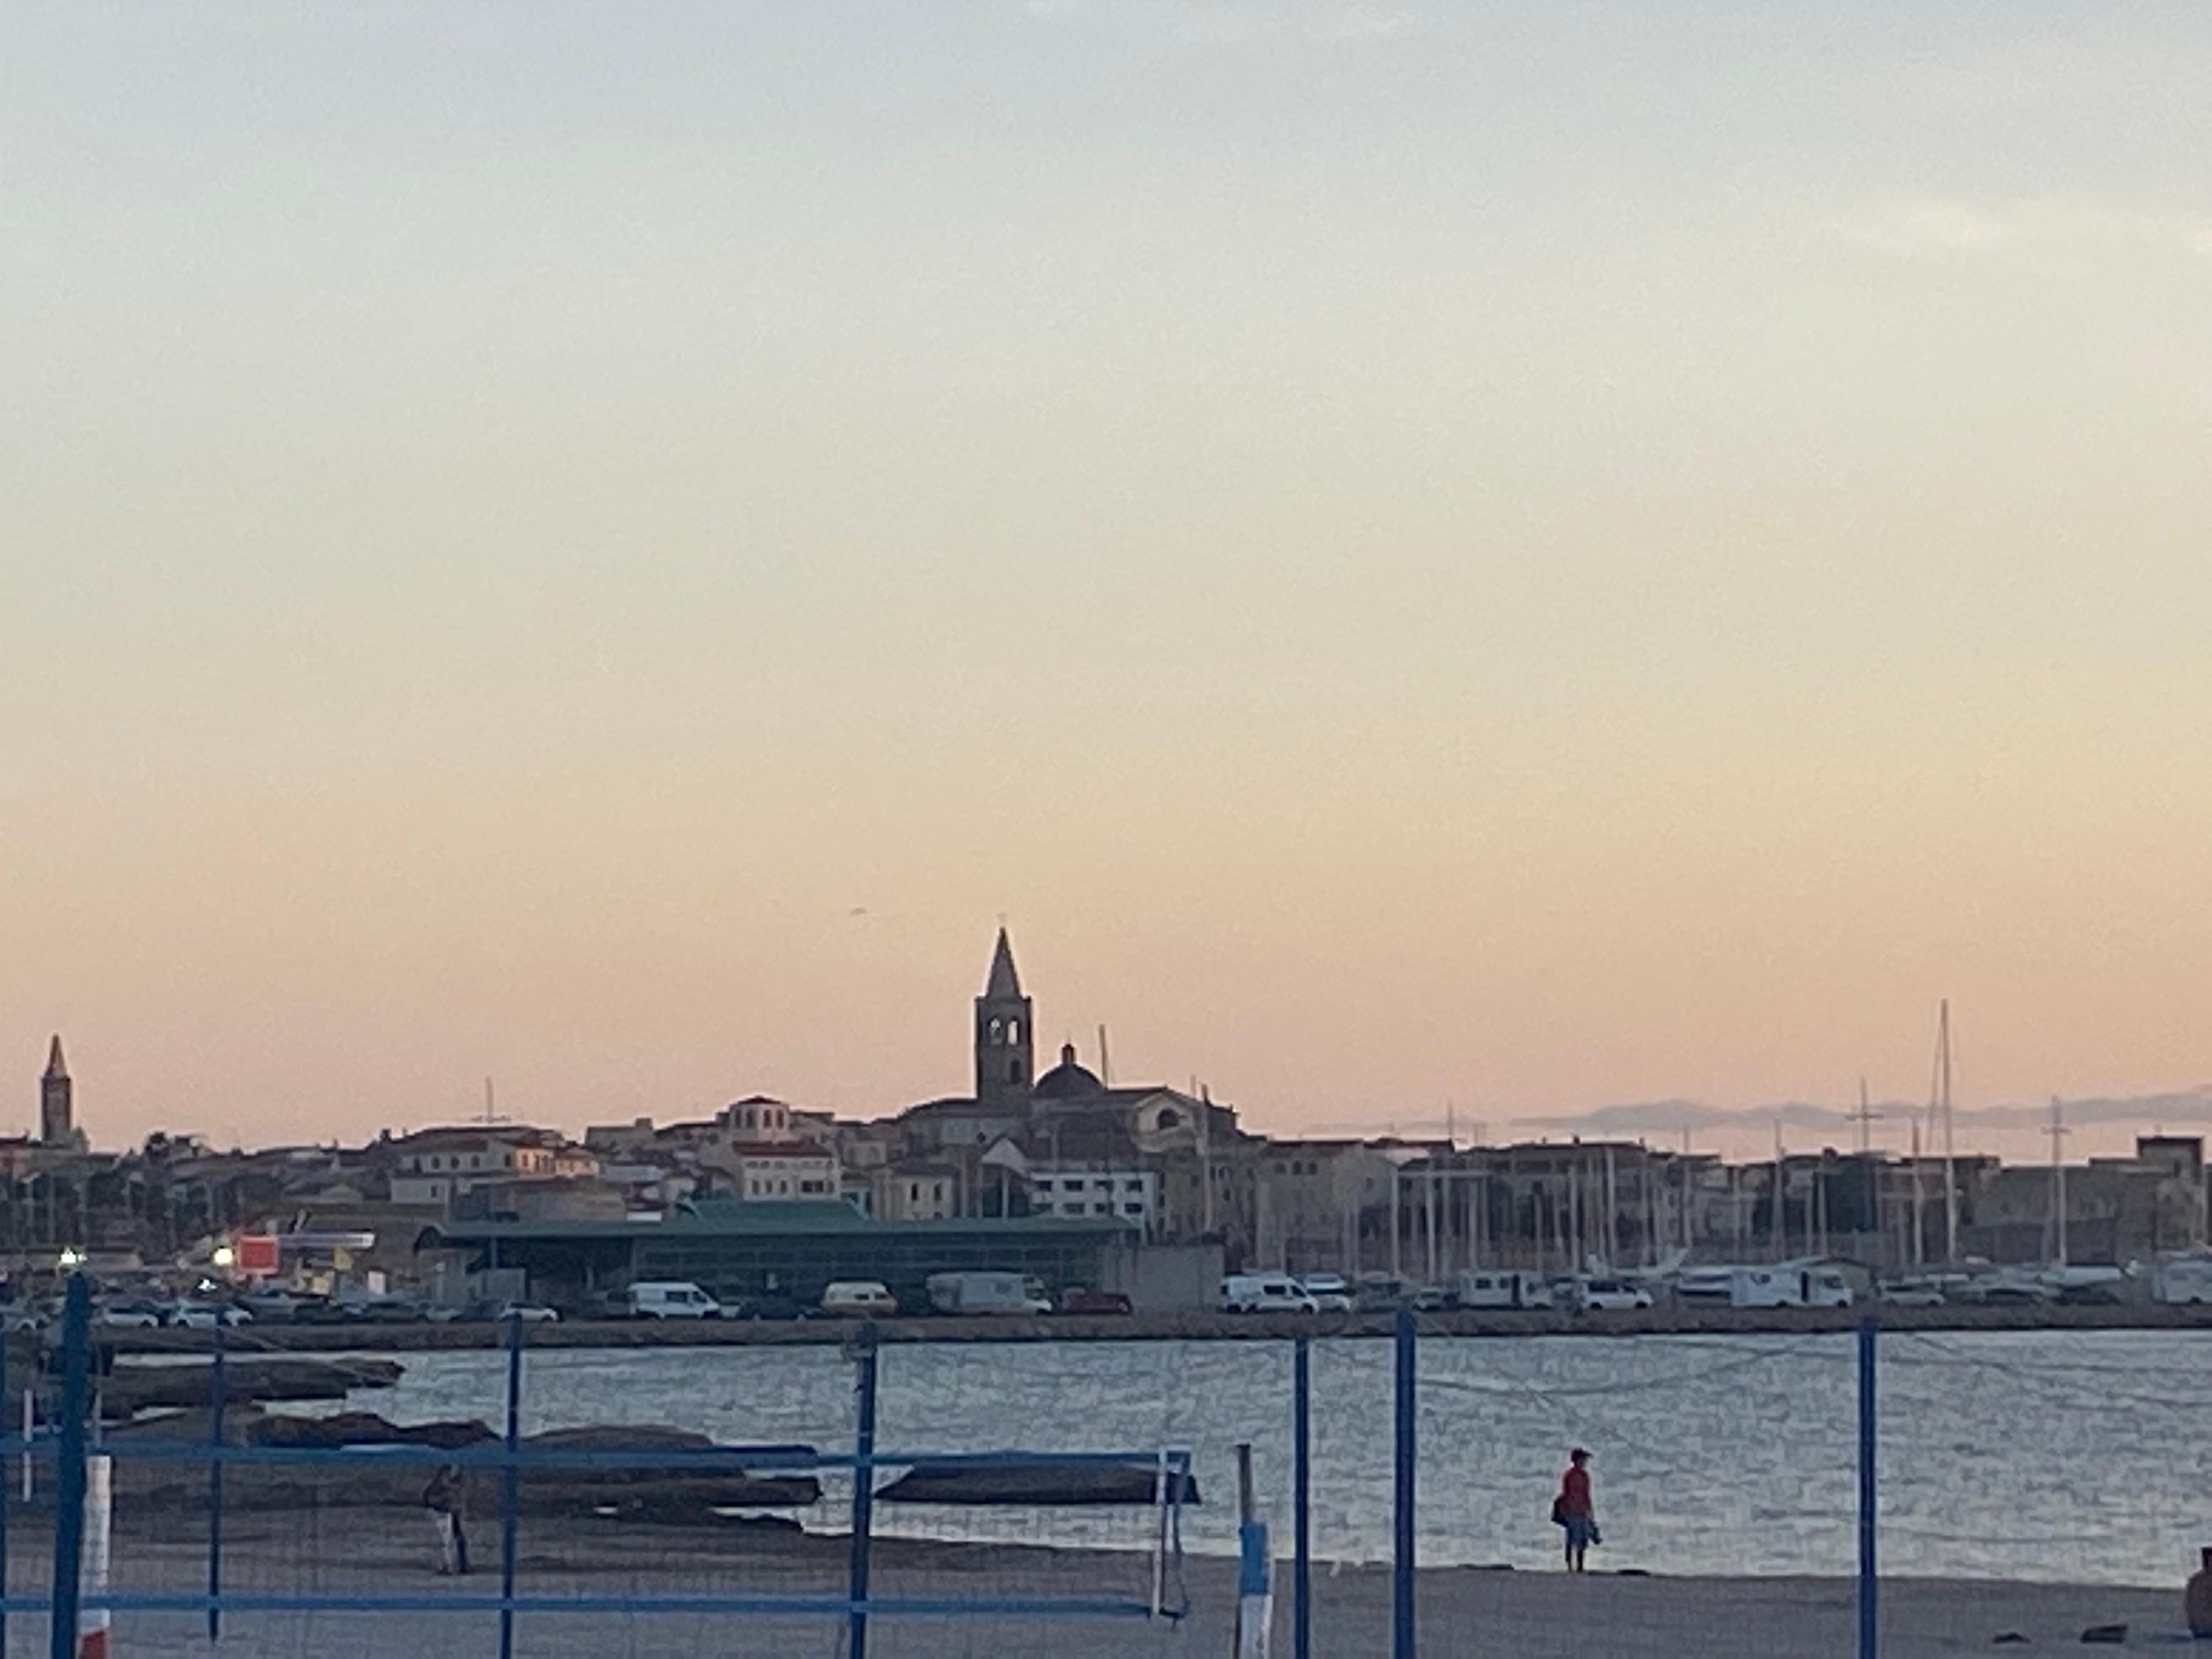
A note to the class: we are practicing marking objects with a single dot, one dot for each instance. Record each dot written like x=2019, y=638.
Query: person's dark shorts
x=1580, y=1530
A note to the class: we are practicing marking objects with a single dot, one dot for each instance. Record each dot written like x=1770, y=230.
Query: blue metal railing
x=65, y=1443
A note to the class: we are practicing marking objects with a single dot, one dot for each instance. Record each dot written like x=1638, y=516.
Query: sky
x=1489, y=560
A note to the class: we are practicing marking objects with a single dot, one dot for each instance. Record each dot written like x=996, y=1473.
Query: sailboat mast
x=1919, y=1202
x=1781, y=1238
x=2057, y=1132
x=1950, y=1139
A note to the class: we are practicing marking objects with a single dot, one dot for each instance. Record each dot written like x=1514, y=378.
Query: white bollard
x=92, y=1623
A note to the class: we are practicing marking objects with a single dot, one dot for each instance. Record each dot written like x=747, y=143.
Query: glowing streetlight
x=70, y=1258
x=224, y=1255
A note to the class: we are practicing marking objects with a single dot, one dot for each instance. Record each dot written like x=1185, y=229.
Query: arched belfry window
x=998, y=1030
x=1013, y=1031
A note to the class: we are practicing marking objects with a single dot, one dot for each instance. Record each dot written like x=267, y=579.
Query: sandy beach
x=1469, y=1611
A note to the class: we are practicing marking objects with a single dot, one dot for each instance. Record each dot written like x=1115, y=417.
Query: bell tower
x=57, y=1104
x=1004, y=1043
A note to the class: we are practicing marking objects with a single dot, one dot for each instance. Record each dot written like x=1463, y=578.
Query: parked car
x=1607, y=1296
x=2006, y=1287
x=1330, y=1291
x=1909, y=1293
x=386, y=1311
x=1247, y=1293
x=530, y=1313
x=271, y=1307
x=206, y=1316
x=859, y=1298
x=128, y=1316
x=768, y=1304
x=670, y=1298
x=1080, y=1301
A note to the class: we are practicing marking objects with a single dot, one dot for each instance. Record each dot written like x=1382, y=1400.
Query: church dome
x=1069, y=1080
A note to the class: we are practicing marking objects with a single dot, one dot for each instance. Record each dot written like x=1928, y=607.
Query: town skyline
x=2096, y=1122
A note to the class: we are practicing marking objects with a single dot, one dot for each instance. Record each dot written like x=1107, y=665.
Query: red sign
x=257, y=1253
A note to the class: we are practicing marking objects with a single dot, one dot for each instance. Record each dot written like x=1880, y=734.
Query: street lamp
x=71, y=1258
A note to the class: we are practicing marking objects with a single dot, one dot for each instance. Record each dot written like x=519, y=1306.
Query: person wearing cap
x=1573, y=1509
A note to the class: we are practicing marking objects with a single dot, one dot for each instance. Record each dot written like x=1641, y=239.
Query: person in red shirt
x=1573, y=1509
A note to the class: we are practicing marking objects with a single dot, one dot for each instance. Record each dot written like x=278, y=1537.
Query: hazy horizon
x=1518, y=557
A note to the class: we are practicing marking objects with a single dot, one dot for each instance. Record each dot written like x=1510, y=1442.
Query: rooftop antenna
x=1866, y=1117
x=490, y=1116
x=1105, y=1061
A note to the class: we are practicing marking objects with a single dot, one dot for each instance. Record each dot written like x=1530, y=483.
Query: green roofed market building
x=736, y=1251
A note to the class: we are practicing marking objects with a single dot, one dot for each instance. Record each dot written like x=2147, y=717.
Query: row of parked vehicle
x=980, y=1293
x=2181, y=1280
x=148, y=1312
x=1325, y=1293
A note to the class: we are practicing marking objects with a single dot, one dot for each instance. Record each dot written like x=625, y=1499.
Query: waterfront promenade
x=1532, y=1615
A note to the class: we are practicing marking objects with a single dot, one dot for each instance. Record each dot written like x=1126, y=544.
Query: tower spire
x=57, y=1068
x=1004, y=980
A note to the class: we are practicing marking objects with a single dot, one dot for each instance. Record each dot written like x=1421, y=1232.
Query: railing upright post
x=1869, y=1578
x=217, y=1385
x=864, y=1495
x=1402, y=1553
x=1302, y=1499
x=69, y=1485
x=510, y=1486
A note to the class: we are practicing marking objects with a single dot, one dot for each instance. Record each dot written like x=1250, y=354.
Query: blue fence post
x=8, y=1404
x=1302, y=1499
x=510, y=1486
x=69, y=1486
x=216, y=1381
x=1402, y=1562
x=1869, y=1578
x=864, y=1495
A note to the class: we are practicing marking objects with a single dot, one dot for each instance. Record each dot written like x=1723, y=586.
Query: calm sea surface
x=2072, y=1456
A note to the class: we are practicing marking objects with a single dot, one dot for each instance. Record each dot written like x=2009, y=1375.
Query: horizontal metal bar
x=492, y=1454
x=808, y=1605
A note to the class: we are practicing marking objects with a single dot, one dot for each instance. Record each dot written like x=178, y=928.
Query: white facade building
x=1126, y=1195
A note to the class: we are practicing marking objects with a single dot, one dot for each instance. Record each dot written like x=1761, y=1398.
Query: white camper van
x=1504, y=1287
x=1784, y=1285
x=987, y=1293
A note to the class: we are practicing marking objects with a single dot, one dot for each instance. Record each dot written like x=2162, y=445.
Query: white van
x=859, y=1298
x=2182, y=1281
x=670, y=1298
x=1265, y=1293
x=1503, y=1287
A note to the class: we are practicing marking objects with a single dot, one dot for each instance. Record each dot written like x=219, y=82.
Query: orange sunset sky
x=1531, y=558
